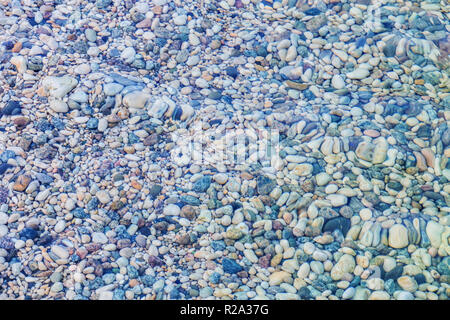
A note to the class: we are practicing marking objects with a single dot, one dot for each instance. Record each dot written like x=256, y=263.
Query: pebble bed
x=354, y=206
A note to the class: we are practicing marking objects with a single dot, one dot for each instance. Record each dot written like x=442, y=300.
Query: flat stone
x=103, y=196
x=407, y=283
x=220, y=178
x=111, y=89
x=322, y=178
x=58, y=87
x=279, y=277
x=346, y=264
x=398, y=236
x=303, y=169
x=172, y=210
x=337, y=200
x=99, y=237
x=58, y=106
x=359, y=74
x=231, y=266
x=365, y=151
x=61, y=252
x=434, y=231
x=136, y=99
x=380, y=151
x=337, y=82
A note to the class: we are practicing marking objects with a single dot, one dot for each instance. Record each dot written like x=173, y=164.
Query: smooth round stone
x=337, y=82
x=405, y=295
x=58, y=106
x=93, y=51
x=60, y=226
x=79, y=96
x=128, y=54
x=103, y=196
x=356, y=112
x=220, y=178
x=379, y=295
x=322, y=178
x=407, y=283
x=60, y=252
x=201, y=83
x=365, y=214
x=180, y=20
x=309, y=248
x=398, y=236
x=3, y=218
x=348, y=293
x=303, y=271
x=57, y=287
x=99, y=237
x=317, y=267
x=19, y=244
x=337, y=200
x=3, y=230
x=434, y=231
x=172, y=210
x=389, y=264
x=82, y=69
x=331, y=188
x=136, y=99
x=91, y=35
x=346, y=264
x=358, y=74
x=111, y=89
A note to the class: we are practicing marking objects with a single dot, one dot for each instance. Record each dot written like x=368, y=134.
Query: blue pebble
x=230, y=266
x=109, y=278
x=92, y=204
x=118, y=294
x=132, y=138
x=308, y=94
x=92, y=124
x=96, y=283
x=148, y=280
x=312, y=12
x=218, y=245
x=132, y=272
x=28, y=233
x=87, y=110
x=202, y=184
x=114, y=53
x=58, y=123
x=79, y=213
x=345, y=100
x=174, y=294
x=214, y=278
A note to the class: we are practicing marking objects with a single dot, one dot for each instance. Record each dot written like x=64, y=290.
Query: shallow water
x=224, y=150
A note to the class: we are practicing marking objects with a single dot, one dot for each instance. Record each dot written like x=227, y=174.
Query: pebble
x=136, y=99
x=359, y=74
x=237, y=150
x=172, y=210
